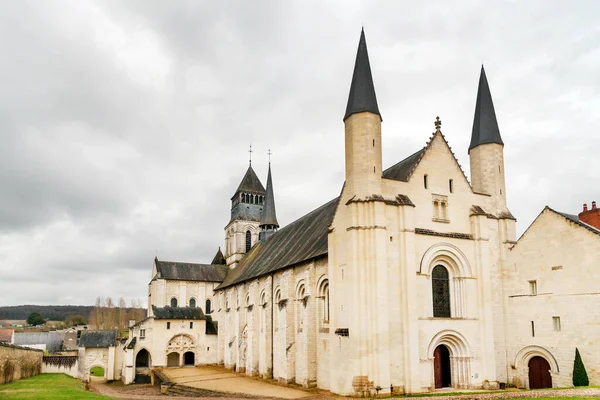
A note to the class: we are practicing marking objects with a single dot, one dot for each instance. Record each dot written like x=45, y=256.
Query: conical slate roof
x=268, y=215
x=219, y=259
x=362, y=90
x=485, y=125
x=251, y=183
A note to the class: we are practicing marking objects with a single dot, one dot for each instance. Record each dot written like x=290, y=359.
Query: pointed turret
x=268, y=217
x=219, y=259
x=485, y=125
x=250, y=183
x=362, y=125
x=362, y=90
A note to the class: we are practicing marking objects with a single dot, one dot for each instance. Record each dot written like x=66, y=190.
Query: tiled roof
x=100, y=338
x=178, y=313
x=6, y=335
x=179, y=271
x=302, y=240
x=404, y=169
x=218, y=259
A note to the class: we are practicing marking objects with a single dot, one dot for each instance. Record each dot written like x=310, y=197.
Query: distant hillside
x=50, y=313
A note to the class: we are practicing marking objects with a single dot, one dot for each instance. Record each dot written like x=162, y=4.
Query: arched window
x=324, y=296
x=193, y=302
x=248, y=241
x=174, y=302
x=440, y=287
x=301, y=306
x=263, y=311
x=208, y=310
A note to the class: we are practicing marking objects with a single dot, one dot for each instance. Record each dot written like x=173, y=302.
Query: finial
x=250, y=151
x=269, y=154
x=438, y=124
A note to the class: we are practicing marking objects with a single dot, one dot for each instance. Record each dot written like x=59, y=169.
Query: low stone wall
x=61, y=364
x=18, y=362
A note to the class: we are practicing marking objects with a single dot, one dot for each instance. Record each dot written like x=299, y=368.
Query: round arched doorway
x=189, y=358
x=441, y=367
x=173, y=359
x=539, y=373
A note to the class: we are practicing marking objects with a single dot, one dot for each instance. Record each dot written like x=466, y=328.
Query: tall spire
x=268, y=217
x=485, y=125
x=362, y=91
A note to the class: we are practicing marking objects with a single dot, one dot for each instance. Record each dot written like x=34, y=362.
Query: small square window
x=142, y=333
x=533, y=288
x=556, y=323
x=168, y=325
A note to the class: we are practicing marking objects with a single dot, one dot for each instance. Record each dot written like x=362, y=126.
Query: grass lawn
x=48, y=387
x=97, y=371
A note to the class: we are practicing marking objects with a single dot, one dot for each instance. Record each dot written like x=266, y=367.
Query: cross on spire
x=250, y=152
x=438, y=123
x=269, y=154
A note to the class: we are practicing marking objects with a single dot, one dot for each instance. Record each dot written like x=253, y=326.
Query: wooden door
x=441, y=367
x=539, y=373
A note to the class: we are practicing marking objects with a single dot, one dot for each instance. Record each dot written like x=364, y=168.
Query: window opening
x=168, y=325
x=532, y=329
x=208, y=310
x=173, y=302
x=248, y=241
x=193, y=302
x=556, y=323
x=191, y=324
x=425, y=181
x=533, y=288
x=450, y=185
x=142, y=333
x=440, y=286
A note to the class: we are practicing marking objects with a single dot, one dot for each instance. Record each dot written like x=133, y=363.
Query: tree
x=35, y=318
x=74, y=320
x=580, y=377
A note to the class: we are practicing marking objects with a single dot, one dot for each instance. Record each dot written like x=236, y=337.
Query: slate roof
x=575, y=219
x=178, y=313
x=404, y=169
x=302, y=240
x=268, y=215
x=6, y=335
x=219, y=259
x=179, y=271
x=98, y=338
x=362, y=90
x=52, y=340
x=485, y=125
x=250, y=183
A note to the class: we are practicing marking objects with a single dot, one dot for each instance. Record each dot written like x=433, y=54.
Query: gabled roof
x=302, y=240
x=404, y=169
x=250, y=183
x=100, y=338
x=194, y=313
x=219, y=258
x=179, y=271
x=268, y=215
x=362, y=90
x=485, y=125
x=576, y=220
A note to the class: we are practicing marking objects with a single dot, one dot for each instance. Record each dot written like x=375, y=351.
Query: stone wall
x=67, y=364
x=18, y=363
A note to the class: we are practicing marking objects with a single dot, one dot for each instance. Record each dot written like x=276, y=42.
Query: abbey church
x=411, y=280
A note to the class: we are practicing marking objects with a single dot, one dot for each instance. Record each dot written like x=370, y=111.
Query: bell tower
x=241, y=233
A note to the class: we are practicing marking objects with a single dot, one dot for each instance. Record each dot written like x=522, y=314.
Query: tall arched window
x=173, y=302
x=248, y=241
x=440, y=287
x=324, y=296
x=208, y=310
x=193, y=302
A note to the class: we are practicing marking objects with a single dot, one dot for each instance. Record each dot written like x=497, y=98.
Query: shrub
x=580, y=377
x=8, y=371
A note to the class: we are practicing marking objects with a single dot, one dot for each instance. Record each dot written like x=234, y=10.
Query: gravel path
x=520, y=394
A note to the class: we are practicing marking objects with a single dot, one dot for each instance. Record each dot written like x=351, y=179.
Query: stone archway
x=143, y=359
x=544, y=371
x=189, y=358
x=450, y=351
x=173, y=359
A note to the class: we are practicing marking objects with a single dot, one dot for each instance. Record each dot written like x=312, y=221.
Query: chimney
x=590, y=217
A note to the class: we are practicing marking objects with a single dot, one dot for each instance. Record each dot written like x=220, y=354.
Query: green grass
x=48, y=387
x=97, y=371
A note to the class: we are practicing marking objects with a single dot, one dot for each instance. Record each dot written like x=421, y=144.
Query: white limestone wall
x=563, y=259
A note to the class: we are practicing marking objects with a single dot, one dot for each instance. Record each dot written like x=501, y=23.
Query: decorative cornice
x=455, y=235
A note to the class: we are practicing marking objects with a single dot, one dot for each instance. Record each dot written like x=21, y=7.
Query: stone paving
x=219, y=379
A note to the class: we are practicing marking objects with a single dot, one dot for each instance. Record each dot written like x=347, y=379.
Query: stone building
x=410, y=280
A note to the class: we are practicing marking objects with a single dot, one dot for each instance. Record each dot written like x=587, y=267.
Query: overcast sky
x=125, y=125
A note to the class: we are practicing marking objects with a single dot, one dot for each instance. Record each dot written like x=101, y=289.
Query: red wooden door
x=539, y=373
x=441, y=367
